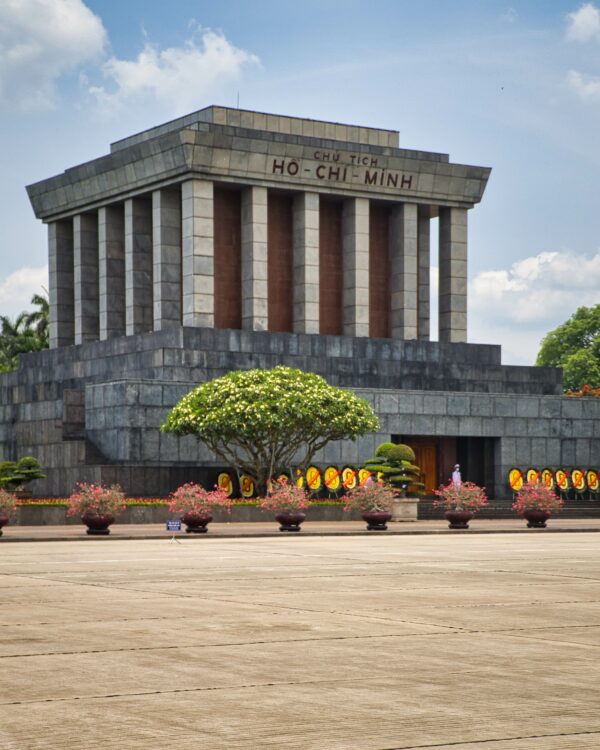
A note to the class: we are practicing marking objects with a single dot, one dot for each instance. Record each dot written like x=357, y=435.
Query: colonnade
x=148, y=263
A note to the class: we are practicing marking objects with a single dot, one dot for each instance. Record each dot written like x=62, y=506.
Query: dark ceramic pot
x=458, y=519
x=97, y=524
x=536, y=519
x=196, y=521
x=3, y=521
x=376, y=520
x=290, y=521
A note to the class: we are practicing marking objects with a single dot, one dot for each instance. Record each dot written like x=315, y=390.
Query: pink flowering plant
x=96, y=499
x=536, y=495
x=373, y=497
x=285, y=497
x=193, y=498
x=466, y=496
x=8, y=503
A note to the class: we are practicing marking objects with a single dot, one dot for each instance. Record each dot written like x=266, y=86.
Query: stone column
x=306, y=263
x=423, y=272
x=403, y=255
x=453, y=275
x=254, y=259
x=60, y=271
x=85, y=277
x=111, y=263
x=166, y=252
x=138, y=265
x=198, y=248
x=355, y=242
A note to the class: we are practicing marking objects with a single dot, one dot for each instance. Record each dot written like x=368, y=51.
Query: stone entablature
x=230, y=154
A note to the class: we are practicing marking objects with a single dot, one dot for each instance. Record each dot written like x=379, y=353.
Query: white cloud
x=39, y=41
x=17, y=289
x=180, y=77
x=518, y=306
x=584, y=24
x=586, y=87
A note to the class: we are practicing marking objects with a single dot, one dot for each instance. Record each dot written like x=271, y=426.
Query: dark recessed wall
x=330, y=267
x=280, y=273
x=379, y=271
x=228, y=258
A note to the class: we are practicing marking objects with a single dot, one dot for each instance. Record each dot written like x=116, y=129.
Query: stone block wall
x=92, y=412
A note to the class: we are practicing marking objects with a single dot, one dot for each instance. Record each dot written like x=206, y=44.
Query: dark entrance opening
x=436, y=456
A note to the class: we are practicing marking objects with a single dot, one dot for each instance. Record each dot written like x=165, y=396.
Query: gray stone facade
x=93, y=412
x=133, y=294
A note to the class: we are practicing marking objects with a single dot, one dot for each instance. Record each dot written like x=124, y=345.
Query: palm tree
x=28, y=333
x=39, y=319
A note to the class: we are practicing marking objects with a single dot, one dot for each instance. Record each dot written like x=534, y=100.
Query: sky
x=510, y=85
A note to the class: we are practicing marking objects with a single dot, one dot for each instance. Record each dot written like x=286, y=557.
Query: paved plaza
x=453, y=642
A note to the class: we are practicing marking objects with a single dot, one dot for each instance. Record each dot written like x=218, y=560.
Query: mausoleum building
x=231, y=239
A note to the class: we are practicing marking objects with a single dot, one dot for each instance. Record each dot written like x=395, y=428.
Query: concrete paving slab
x=315, y=642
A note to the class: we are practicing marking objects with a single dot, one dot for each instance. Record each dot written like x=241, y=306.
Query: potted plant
x=8, y=505
x=97, y=505
x=14, y=475
x=395, y=464
x=460, y=500
x=196, y=504
x=289, y=501
x=375, y=501
x=536, y=502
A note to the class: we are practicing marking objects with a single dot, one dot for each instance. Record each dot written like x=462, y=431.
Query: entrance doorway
x=426, y=458
x=436, y=456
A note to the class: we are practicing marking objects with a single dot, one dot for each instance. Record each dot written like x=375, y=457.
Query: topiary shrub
x=401, y=452
x=395, y=463
x=383, y=449
x=15, y=474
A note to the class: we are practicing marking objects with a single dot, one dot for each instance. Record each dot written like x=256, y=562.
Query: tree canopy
x=259, y=421
x=27, y=333
x=575, y=346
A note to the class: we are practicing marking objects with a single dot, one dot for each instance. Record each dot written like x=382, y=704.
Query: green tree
x=262, y=421
x=575, y=346
x=27, y=333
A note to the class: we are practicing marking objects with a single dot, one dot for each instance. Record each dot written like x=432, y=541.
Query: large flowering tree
x=259, y=421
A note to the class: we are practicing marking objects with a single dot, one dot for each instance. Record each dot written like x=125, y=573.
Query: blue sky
x=514, y=86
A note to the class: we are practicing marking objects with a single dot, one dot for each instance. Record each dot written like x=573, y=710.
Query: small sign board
x=173, y=525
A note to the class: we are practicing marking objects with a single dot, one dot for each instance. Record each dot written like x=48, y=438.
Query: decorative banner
x=314, y=480
x=532, y=475
x=363, y=475
x=593, y=483
x=299, y=478
x=548, y=478
x=246, y=486
x=225, y=482
x=349, y=478
x=333, y=481
x=562, y=480
x=578, y=479
x=515, y=479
